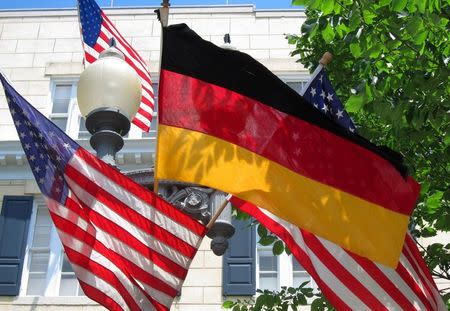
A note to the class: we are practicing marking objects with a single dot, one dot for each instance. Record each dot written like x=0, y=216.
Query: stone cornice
x=147, y=10
x=136, y=152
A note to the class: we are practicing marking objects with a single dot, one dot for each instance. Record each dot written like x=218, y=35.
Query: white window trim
x=73, y=112
x=53, y=276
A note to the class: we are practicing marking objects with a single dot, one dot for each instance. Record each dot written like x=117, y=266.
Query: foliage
x=392, y=71
x=288, y=298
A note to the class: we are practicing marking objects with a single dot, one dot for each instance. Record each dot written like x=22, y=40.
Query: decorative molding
x=149, y=10
x=120, y=159
x=19, y=159
x=138, y=158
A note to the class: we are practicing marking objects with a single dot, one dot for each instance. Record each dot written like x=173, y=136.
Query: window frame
x=285, y=269
x=53, y=273
x=73, y=112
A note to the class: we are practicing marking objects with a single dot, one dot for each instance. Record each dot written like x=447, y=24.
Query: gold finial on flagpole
x=327, y=57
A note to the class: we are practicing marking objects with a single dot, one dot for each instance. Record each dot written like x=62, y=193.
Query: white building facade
x=41, y=54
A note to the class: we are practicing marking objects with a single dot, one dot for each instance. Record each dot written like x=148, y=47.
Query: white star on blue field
x=46, y=4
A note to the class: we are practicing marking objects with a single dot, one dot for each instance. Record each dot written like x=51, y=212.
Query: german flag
x=227, y=122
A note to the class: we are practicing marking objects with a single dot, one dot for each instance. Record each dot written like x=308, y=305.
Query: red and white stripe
x=129, y=249
x=144, y=115
x=351, y=282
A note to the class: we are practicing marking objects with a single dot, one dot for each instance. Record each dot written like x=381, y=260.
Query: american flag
x=351, y=282
x=97, y=31
x=320, y=93
x=348, y=281
x=129, y=249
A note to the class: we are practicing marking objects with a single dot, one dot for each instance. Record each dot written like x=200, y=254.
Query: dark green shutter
x=14, y=223
x=239, y=261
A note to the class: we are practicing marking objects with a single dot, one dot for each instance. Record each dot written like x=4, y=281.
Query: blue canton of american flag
x=129, y=249
x=97, y=31
x=47, y=148
x=321, y=95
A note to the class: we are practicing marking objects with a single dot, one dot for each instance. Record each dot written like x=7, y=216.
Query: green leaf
x=355, y=49
x=369, y=16
x=354, y=103
x=375, y=50
x=300, y=2
x=428, y=232
x=421, y=5
x=433, y=202
x=355, y=20
x=447, y=138
x=398, y=5
x=267, y=240
x=262, y=231
x=228, y=304
x=327, y=6
x=328, y=34
x=415, y=25
x=302, y=300
x=278, y=248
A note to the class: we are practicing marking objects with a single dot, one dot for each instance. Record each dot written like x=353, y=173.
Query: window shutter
x=14, y=223
x=239, y=261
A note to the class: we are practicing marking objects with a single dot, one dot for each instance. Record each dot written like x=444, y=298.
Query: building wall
x=39, y=45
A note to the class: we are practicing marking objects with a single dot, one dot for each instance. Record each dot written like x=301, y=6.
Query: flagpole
x=163, y=15
x=327, y=57
x=81, y=34
x=218, y=211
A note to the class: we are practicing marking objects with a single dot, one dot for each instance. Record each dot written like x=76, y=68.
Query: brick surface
x=191, y=295
x=204, y=277
x=28, y=74
x=212, y=260
x=11, y=60
x=44, y=59
x=212, y=295
x=68, y=45
x=135, y=28
x=249, y=26
x=56, y=30
x=35, y=46
x=8, y=46
x=20, y=30
x=146, y=43
x=211, y=26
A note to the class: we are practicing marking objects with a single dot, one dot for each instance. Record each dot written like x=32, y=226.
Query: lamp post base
x=106, y=143
x=107, y=126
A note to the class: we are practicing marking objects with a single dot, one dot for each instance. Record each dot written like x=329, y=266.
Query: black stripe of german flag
x=227, y=122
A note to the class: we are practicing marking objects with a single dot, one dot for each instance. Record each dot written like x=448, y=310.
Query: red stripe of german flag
x=266, y=145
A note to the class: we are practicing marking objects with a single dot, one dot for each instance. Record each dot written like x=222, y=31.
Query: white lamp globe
x=109, y=83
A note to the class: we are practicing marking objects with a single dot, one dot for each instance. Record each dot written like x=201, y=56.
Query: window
x=273, y=272
x=268, y=269
x=47, y=271
x=63, y=95
x=297, y=86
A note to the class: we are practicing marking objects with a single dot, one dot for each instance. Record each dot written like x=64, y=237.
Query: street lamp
x=109, y=94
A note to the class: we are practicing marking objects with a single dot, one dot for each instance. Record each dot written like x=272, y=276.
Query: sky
x=42, y=4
